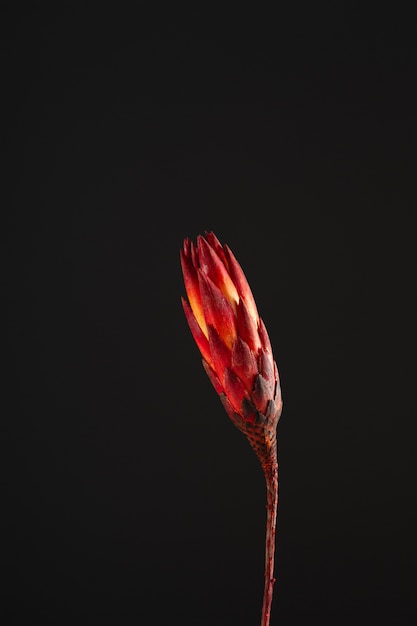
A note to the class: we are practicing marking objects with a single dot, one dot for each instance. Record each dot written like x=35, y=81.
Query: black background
x=130, y=498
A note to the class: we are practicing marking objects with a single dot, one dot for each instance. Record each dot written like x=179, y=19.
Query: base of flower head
x=259, y=429
x=264, y=442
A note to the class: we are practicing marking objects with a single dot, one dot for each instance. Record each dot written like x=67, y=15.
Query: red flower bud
x=229, y=333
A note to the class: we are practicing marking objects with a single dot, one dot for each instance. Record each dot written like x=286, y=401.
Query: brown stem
x=271, y=478
x=264, y=442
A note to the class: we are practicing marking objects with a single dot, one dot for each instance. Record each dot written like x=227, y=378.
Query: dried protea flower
x=237, y=357
x=232, y=338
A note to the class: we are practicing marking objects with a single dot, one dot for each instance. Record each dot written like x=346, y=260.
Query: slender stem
x=271, y=478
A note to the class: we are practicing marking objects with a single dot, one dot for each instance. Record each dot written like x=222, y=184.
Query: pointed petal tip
x=266, y=366
x=238, y=276
x=220, y=353
x=212, y=239
x=234, y=389
x=218, y=312
x=197, y=332
x=264, y=337
x=212, y=264
x=247, y=328
x=217, y=247
x=248, y=410
x=262, y=393
x=243, y=362
x=186, y=247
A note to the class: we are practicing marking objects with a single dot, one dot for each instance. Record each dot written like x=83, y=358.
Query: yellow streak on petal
x=191, y=286
x=198, y=312
x=251, y=306
x=229, y=290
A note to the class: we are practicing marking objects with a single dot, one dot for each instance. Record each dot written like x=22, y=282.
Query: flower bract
x=232, y=338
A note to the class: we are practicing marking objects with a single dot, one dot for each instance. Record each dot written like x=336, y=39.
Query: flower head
x=232, y=338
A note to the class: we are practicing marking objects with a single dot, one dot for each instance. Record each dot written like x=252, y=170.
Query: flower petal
x=243, y=362
x=248, y=410
x=199, y=337
x=263, y=334
x=234, y=389
x=271, y=410
x=194, y=256
x=277, y=390
x=241, y=282
x=214, y=268
x=220, y=353
x=266, y=366
x=187, y=246
x=217, y=247
x=247, y=327
x=218, y=311
x=262, y=393
x=192, y=288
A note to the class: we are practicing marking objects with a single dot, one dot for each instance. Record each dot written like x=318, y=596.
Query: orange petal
x=218, y=311
x=214, y=268
x=241, y=282
x=247, y=327
x=191, y=286
x=199, y=337
x=217, y=247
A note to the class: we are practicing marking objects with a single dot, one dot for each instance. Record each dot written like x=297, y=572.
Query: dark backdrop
x=129, y=496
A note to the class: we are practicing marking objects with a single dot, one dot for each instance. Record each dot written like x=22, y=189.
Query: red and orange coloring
x=238, y=359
